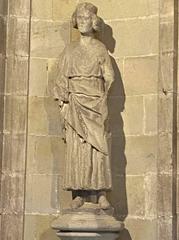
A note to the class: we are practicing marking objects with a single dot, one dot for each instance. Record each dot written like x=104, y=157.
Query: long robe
x=84, y=78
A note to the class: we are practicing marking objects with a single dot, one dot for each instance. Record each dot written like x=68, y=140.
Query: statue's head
x=85, y=18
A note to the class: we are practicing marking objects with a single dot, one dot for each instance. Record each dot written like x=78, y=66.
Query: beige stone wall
x=138, y=35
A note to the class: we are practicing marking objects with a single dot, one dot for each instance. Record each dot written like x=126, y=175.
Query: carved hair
x=97, y=21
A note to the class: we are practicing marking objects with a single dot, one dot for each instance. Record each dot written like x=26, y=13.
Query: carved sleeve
x=107, y=71
x=61, y=91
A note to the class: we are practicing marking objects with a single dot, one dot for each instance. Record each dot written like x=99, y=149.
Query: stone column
x=167, y=120
x=15, y=25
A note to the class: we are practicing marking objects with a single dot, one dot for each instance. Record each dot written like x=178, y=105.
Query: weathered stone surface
x=17, y=75
x=52, y=75
x=136, y=202
x=48, y=38
x=151, y=116
x=141, y=154
x=115, y=10
x=15, y=114
x=19, y=7
x=138, y=228
x=2, y=73
x=38, y=227
x=165, y=152
x=165, y=195
x=134, y=37
x=44, y=118
x=64, y=197
x=165, y=112
x=62, y=10
x=38, y=77
x=46, y=200
x=166, y=36
x=18, y=37
x=14, y=147
x=2, y=35
x=42, y=9
x=133, y=107
x=13, y=194
x=151, y=195
x=12, y=226
x=165, y=228
x=3, y=7
x=140, y=75
x=166, y=8
x=166, y=73
x=46, y=155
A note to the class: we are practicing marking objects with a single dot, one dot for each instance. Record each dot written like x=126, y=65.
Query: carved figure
x=84, y=78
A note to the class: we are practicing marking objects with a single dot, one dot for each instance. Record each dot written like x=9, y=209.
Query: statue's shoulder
x=70, y=47
x=99, y=46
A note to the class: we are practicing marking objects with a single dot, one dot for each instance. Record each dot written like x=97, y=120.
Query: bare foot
x=77, y=202
x=103, y=202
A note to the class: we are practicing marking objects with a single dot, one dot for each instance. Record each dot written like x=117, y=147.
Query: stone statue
x=84, y=78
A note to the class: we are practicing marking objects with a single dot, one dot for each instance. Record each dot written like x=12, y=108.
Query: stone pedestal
x=87, y=222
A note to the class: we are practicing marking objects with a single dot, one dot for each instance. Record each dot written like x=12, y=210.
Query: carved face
x=84, y=21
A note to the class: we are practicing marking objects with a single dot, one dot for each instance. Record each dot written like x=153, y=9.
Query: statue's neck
x=86, y=38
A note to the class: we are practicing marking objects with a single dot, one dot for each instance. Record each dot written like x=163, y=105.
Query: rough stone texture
x=125, y=10
x=17, y=73
x=128, y=35
x=145, y=157
x=140, y=75
x=48, y=38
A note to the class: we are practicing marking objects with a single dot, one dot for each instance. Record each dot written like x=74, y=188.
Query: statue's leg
x=102, y=200
x=78, y=199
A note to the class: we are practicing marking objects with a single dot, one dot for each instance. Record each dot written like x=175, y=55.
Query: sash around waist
x=89, y=86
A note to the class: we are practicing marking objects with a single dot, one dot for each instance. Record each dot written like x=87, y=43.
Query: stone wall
x=142, y=107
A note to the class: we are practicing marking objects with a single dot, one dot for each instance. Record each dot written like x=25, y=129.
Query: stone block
x=38, y=227
x=19, y=8
x=12, y=227
x=151, y=114
x=17, y=75
x=38, y=77
x=135, y=195
x=15, y=114
x=165, y=152
x=14, y=151
x=46, y=155
x=151, y=196
x=13, y=194
x=166, y=73
x=166, y=36
x=3, y=7
x=18, y=37
x=139, y=229
x=42, y=9
x=2, y=73
x=48, y=38
x=166, y=8
x=134, y=37
x=140, y=75
x=44, y=117
x=64, y=197
x=164, y=195
x=46, y=200
x=52, y=75
x=141, y=154
x=62, y=10
x=165, y=112
x=125, y=9
x=2, y=35
x=165, y=229
x=133, y=116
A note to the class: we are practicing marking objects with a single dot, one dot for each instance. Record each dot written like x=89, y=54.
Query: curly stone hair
x=97, y=21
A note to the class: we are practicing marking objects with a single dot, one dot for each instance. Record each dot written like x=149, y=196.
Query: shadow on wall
x=116, y=103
